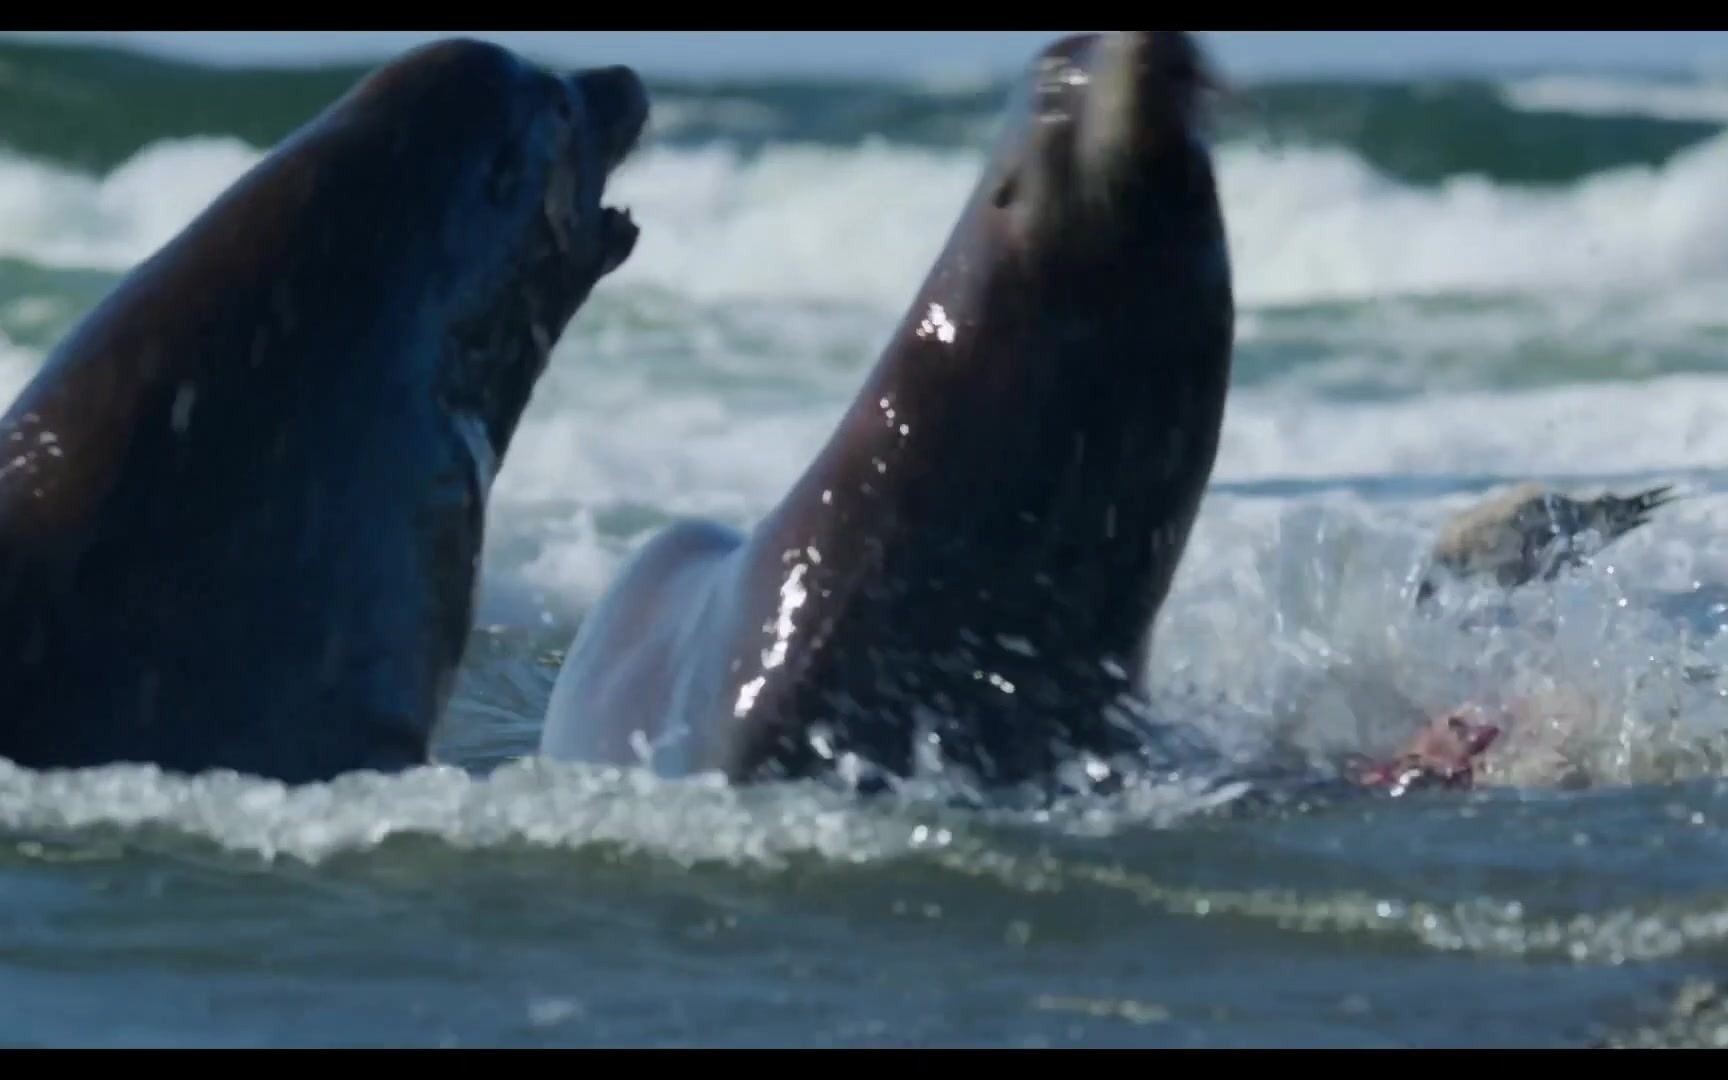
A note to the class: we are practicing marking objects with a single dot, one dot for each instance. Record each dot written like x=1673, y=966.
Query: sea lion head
x=436, y=227
x=493, y=171
x=1102, y=144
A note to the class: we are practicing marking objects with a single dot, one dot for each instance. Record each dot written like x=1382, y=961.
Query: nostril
x=1176, y=59
x=1169, y=73
x=615, y=92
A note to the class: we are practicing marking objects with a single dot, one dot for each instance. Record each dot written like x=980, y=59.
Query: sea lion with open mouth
x=242, y=502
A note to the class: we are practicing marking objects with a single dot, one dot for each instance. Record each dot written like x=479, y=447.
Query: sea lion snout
x=1144, y=88
x=617, y=105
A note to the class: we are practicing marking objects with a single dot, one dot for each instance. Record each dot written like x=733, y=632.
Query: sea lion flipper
x=634, y=674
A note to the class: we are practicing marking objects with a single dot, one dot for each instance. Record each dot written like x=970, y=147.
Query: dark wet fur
x=246, y=521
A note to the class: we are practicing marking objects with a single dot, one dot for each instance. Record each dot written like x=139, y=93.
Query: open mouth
x=617, y=106
x=618, y=234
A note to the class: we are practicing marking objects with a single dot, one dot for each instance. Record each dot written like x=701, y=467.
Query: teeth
x=620, y=239
x=619, y=222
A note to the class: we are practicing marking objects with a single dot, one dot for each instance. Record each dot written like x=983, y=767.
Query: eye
x=1006, y=191
x=557, y=94
x=504, y=176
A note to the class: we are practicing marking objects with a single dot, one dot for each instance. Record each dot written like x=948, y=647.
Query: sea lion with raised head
x=972, y=565
x=241, y=505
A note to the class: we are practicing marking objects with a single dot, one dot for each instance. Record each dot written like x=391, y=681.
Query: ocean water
x=1443, y=287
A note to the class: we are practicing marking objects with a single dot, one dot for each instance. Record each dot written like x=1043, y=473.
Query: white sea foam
x=1608, y=95
x=861, y=225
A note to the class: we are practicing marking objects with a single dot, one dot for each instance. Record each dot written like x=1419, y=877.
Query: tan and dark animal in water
x=1530, y=532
